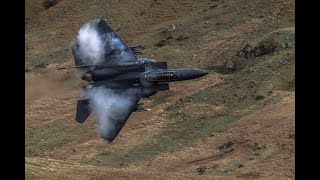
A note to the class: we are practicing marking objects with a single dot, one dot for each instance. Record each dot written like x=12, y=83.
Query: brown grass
x=258, y=144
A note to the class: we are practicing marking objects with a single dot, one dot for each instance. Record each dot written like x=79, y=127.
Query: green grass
x=57, y=56
x=54, y=135
x=182, y=133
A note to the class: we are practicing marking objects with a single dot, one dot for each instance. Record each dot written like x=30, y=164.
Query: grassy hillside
x=236, y=122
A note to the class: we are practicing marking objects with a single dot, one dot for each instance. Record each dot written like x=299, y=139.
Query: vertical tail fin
x=83, y=110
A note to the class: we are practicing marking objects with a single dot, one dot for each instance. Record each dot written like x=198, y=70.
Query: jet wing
x=115, y=111
x=116, y=51
x=102, y=44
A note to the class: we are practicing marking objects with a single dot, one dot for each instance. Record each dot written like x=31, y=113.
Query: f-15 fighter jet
x=108, y=64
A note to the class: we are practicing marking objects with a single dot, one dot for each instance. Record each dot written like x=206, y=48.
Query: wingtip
x=108, y=140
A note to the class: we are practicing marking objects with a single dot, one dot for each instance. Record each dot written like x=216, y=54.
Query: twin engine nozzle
x=87, y=76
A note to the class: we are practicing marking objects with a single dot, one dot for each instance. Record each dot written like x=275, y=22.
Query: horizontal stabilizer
x=83, y=110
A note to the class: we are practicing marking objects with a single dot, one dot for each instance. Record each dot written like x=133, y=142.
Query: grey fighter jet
x=118, y=69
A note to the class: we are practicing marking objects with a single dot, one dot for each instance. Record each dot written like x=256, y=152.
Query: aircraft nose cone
x=201, y=72
x=192, y=73
x=196, y=73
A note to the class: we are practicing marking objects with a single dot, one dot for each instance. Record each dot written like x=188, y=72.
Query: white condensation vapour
x=91, y=45
x=108, y=105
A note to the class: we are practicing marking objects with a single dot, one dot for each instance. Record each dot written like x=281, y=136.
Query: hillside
x=236, y=122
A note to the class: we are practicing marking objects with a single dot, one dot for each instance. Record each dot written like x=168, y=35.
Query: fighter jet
x=121, y=71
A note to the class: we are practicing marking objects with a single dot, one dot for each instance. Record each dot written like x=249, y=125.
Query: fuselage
x=117, y=78
x=146, y=74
